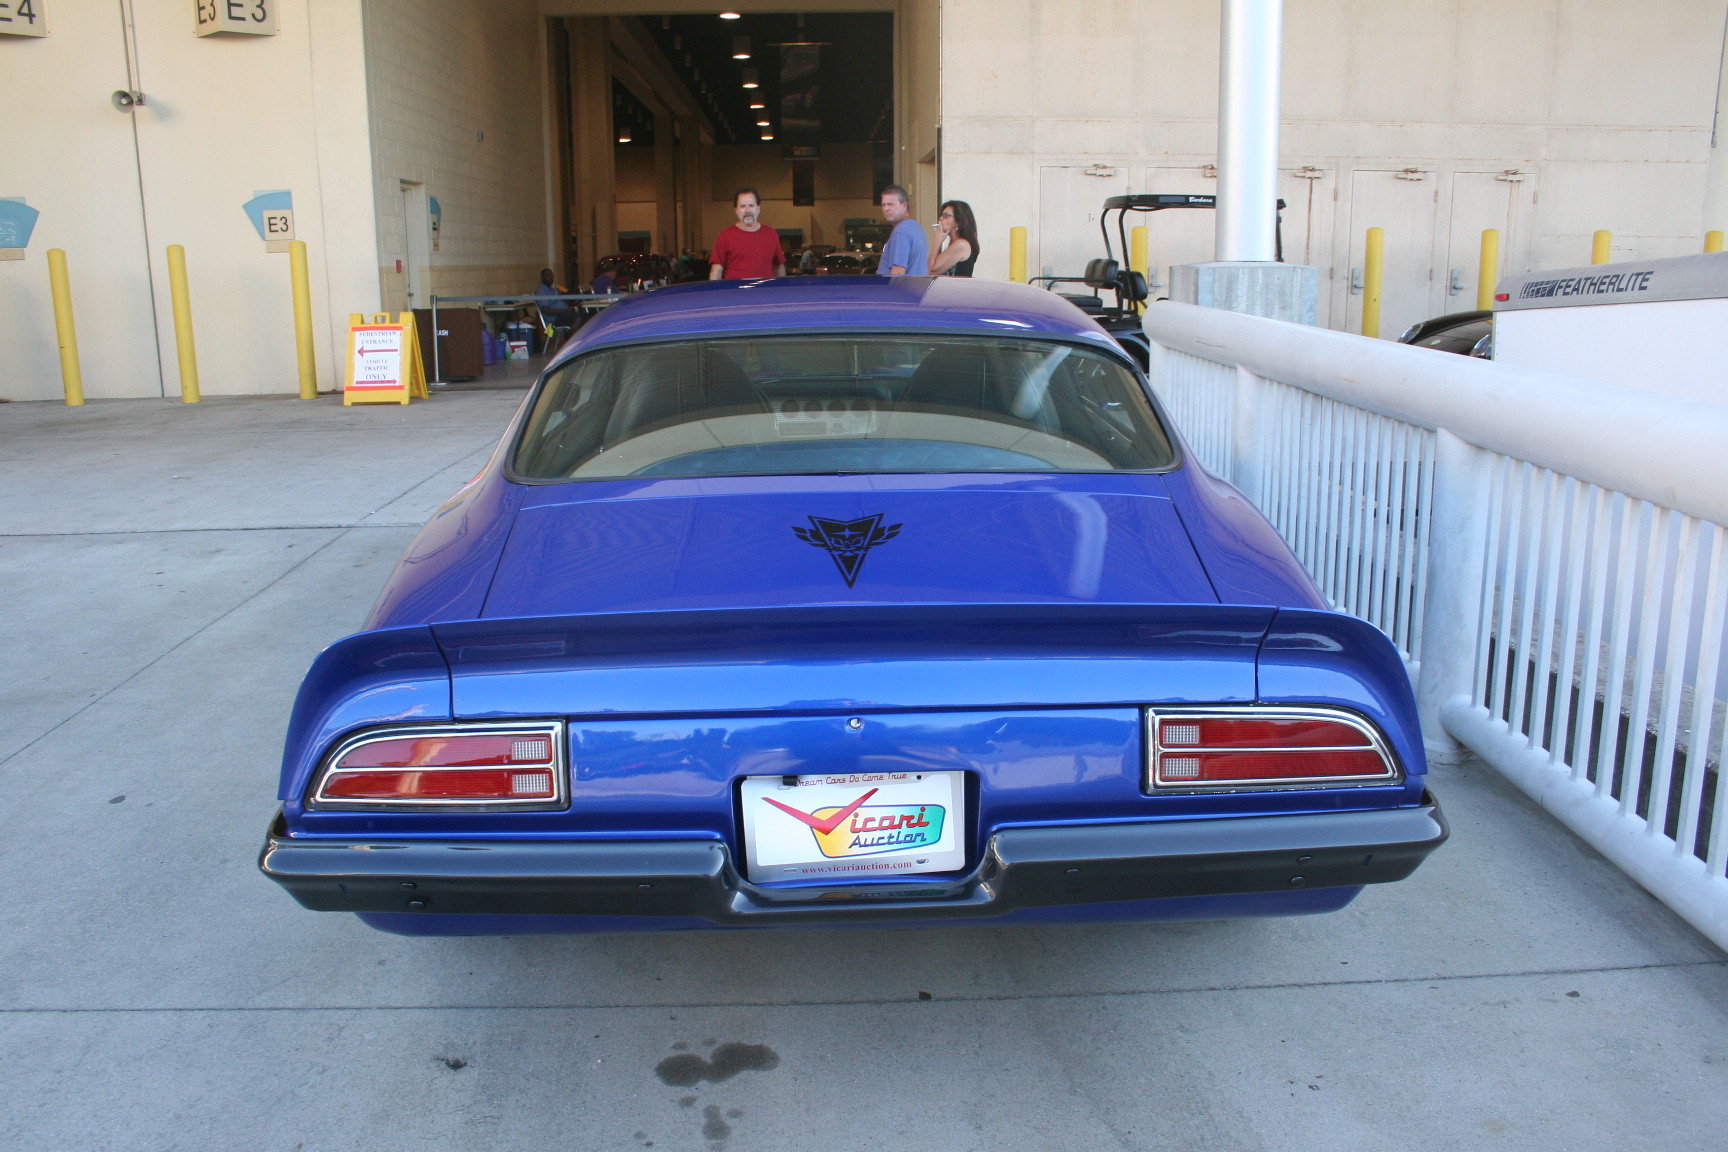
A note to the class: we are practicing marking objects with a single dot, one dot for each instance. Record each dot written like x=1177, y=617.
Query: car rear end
x=1015, y=765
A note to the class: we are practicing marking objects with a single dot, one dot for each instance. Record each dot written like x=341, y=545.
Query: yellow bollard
x=1373, y=266
x=1712, y=241
x=1017, y=255
x=1139, y=249
x=183, y=346
x=71, y=376
x=303, y=319
x=1602, y=247
x=1488, y=269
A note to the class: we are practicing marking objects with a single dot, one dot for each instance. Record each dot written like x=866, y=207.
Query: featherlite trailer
x=1658, y=325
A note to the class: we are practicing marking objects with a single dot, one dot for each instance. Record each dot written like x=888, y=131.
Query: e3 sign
x=23, y=18
x=250, y=17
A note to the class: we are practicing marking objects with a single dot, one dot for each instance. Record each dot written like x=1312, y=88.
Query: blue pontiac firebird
x=845, y=601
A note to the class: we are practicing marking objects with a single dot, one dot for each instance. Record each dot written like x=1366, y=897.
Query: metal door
x=1310, y=194
x=416, y=267
x=79, y=169
x=1070, y=198
x=1485, y=200
x=1403, y=203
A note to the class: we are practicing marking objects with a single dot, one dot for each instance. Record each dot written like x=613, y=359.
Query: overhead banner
x=801, y=101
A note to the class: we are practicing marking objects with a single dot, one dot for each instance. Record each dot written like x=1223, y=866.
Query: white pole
x=1249, y=53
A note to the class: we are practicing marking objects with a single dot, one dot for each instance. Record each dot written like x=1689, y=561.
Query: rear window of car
x=800, y=405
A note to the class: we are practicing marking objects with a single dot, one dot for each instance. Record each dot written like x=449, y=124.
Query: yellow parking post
x=1017, y=255
x=1139, y=249
x=71, y=376
x=1373, y=265
x=183, y=346
x=1602, y=247
x=1488, y=269
x=303, y=319
x=1712, y=241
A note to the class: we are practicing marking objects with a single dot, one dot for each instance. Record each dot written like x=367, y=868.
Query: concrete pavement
x=168, y=572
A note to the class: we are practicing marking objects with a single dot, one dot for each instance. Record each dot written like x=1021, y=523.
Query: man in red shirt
x=746, y=250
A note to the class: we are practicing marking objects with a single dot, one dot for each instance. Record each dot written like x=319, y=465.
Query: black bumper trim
x=1021, y=868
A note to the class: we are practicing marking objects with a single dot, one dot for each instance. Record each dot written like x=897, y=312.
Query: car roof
x=837, y=303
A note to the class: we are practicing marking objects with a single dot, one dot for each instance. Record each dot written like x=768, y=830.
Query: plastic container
x=519, y=335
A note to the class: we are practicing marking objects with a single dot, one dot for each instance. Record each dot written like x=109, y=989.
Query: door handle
x=1356, y=283
x=1457, y=284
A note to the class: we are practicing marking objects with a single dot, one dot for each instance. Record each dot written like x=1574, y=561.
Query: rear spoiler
x=920, y=656
x=928, y=657
x=832, y=658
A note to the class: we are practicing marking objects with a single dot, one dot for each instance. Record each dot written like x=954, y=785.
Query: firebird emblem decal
x=847, y=540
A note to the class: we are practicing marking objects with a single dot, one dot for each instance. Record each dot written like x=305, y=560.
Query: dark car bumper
x=1021, y=868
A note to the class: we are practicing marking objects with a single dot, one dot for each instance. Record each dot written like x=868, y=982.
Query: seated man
x=555, y=314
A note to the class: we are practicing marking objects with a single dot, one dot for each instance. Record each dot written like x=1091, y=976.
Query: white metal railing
x=1547, y=552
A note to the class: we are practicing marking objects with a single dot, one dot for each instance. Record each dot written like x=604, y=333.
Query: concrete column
x=1245, y=276
x=692, y=190
x=595, y=210
x=665, y=185
x=1250, y=50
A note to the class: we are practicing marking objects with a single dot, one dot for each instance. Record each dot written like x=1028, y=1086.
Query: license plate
x=853, y=826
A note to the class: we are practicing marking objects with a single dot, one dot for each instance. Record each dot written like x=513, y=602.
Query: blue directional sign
x=17, y=221
x=265, y=202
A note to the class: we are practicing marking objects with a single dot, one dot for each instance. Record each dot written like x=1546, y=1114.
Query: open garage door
x=661, y=118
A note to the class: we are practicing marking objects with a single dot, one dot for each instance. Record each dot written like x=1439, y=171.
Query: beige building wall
x=1432, y=119
x=224, y=117
x=458, y=97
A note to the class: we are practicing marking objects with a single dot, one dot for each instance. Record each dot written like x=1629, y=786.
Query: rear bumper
x=1021, y=868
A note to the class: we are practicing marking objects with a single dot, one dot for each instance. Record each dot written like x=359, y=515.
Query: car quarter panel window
x=812, y=405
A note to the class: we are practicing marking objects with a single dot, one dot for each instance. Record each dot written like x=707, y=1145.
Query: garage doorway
x=658, y=119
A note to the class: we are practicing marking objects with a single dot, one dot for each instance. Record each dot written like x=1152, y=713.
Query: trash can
x=461, y=338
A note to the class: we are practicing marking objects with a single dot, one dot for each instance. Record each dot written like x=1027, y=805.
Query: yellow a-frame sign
x=384, y=365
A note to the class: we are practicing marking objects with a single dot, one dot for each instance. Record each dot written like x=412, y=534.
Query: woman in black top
x=958, y=250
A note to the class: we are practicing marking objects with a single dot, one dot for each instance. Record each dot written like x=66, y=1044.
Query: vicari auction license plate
x=857, y=825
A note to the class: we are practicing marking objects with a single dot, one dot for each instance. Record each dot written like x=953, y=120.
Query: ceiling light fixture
x=754, y=107
x=740, y=47
x=750, y=78
x=624, y=139
x=728, y=15
x=762, y=123
x=767, y=135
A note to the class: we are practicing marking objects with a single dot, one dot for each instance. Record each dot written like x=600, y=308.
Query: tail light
x=516, y=766
x=1257, y=748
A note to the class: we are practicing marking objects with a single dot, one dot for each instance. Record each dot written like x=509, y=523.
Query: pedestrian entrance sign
x=384, y=365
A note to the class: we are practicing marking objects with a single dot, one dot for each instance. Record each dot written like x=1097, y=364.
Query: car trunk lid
x=787, y=541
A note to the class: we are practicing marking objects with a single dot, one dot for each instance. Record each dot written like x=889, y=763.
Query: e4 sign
x=23, y=18
x=248, y=17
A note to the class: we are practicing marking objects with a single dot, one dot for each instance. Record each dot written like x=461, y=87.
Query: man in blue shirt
x=907, y=253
